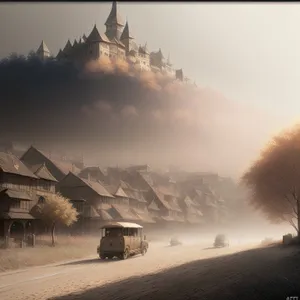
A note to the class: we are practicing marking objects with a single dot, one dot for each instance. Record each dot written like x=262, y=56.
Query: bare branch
x=292, y=206
x=294, y=225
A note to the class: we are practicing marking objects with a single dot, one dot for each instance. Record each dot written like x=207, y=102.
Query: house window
x=78, y=207
x=15, y=204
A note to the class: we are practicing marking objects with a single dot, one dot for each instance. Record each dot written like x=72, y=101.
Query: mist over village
x=110, y=148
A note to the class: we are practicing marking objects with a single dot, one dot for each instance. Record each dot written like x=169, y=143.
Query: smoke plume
x=115, y=114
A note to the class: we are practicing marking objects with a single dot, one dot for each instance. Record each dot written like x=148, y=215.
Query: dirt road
x=76, y=277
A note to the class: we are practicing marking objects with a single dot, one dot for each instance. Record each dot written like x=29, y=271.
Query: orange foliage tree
x=274, y=179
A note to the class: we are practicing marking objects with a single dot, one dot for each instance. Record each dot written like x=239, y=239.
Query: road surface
x=57, y=280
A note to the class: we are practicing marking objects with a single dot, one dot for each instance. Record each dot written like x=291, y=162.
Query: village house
x=135, y=189
x=91, y=196
x=161, y=193
x=137, y=203
x=120, y=205
x=20, y=190
x=205, y=197
x=192, y=211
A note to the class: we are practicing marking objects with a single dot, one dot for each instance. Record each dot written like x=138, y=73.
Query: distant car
x=175, y=242
x=221, y=240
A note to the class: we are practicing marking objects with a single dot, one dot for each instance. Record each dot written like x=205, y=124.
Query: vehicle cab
x=122, y=239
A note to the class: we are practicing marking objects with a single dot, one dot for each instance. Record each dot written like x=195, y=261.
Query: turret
x=126, y=38
x=114, y=23
x=43, y=51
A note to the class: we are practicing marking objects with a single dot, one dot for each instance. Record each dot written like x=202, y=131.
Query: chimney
x=89, y=176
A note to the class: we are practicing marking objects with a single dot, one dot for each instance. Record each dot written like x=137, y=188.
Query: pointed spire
x=95, y=36
x=160, y=53
x=43, y=49
x=68, y=47
x=60, y=54
x=75, y=43
x=126, y=33
x=114, y=17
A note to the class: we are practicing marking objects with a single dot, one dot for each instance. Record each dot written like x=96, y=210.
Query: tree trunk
x=298, y=218
x=53, y=233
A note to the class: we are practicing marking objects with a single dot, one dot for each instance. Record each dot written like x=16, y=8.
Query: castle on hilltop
x=116, y=43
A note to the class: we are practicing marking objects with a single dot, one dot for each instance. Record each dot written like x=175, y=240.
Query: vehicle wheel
x=125, y=255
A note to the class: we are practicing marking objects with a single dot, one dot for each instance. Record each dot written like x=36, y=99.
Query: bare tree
x=274, y=179
x=56, y=210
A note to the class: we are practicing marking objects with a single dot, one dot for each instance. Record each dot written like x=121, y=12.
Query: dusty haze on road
x=61, y=279
x=57, y=280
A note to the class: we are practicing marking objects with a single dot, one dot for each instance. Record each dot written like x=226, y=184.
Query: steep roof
x=97, y=187
x=43, y=48
x=116, y=190
x=95, y=36
x=9, y=163
x=17, y=215
x=114, y=17
x=16, y=194
x=143, y=216
x=94, y=172
x=68, y=47
x=123, y=213
x=65, y=166
x=42, y=172
x=60, y=54
x=62, y=168
x=91, y=212
x=126, y=33
x=160, y=197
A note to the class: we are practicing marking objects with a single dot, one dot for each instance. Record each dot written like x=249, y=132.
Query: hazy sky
x=249, y=52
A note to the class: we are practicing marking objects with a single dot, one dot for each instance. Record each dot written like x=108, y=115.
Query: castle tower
x=126, y=38
x=114, y=23
x=43, y=51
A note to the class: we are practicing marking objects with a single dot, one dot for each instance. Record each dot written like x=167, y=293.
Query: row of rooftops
x=164, y=191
